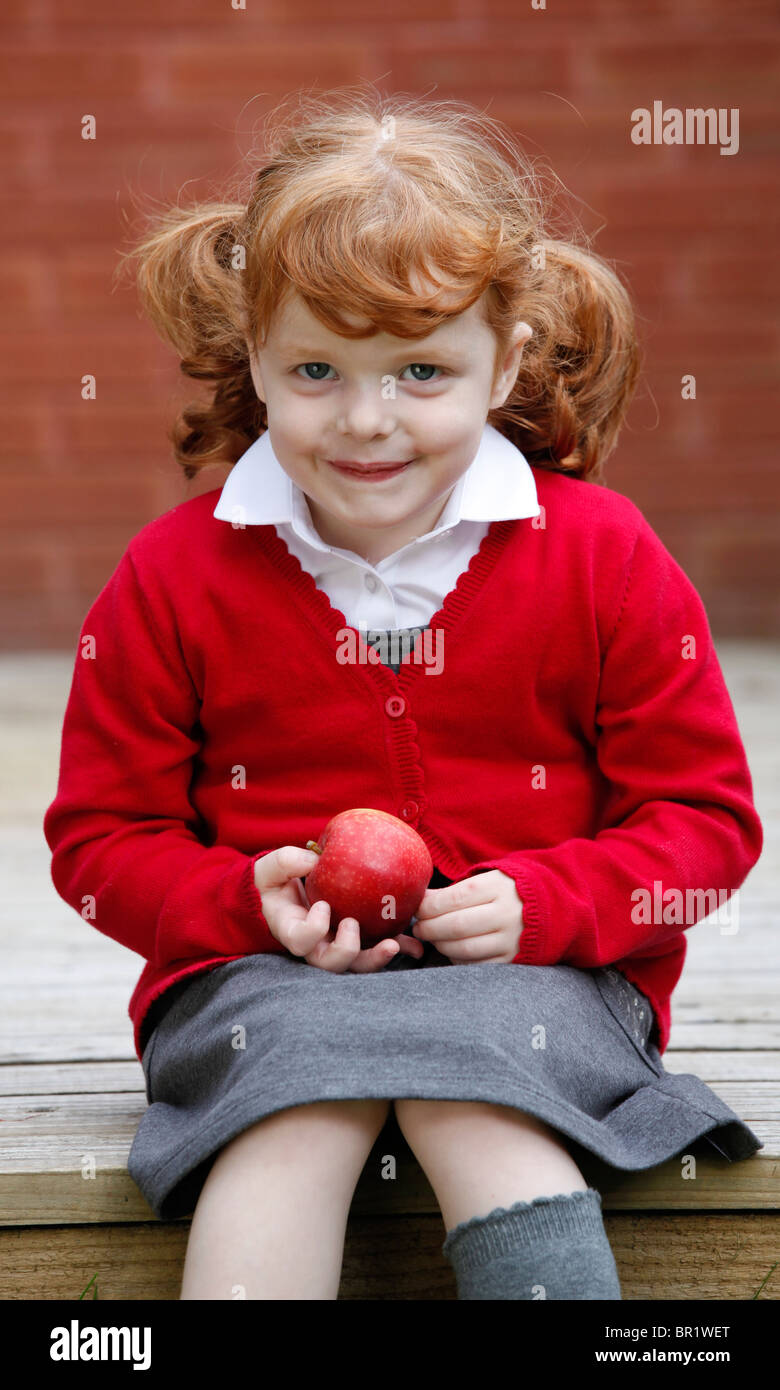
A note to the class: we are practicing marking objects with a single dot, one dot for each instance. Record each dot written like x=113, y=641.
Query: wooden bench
x=73, y=1223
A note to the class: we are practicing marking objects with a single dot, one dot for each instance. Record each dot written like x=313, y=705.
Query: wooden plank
x=50, y=1198
x=660, y=1257
x=66, y=1044
x=698, y=1035
x=720, y=1006
x=38, y=1038
x=53, y=1144
x=37, y=1128
x=58, y=1047
x=72, y=1078
x=69, y=1078
x=716, y=1067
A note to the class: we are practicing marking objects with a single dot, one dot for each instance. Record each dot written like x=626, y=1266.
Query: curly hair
x=359, y=197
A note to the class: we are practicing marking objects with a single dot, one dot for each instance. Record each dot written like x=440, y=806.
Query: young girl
x=413, y=593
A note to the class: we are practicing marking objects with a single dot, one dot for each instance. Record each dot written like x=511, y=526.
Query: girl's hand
x=478, y=919
x=306, y=931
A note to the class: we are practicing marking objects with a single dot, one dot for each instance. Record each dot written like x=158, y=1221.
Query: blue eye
x=325, y=365
x=426, y=366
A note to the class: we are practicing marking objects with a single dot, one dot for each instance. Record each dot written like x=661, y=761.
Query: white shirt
x=406, y=588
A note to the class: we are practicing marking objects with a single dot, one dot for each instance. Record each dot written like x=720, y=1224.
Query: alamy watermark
x=695, y=125
x=382, y=647
x=675, y=907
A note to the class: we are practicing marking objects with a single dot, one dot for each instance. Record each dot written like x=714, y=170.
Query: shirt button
x=370, y=582
x=395, y=706
x=409, y=810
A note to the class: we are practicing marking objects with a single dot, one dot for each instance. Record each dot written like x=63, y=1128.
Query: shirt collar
x=498, y=485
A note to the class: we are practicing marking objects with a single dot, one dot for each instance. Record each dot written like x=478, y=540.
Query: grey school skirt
x=266, y=1032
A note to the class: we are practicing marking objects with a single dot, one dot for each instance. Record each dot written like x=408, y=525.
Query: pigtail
x=189, y=282
x=579, y=371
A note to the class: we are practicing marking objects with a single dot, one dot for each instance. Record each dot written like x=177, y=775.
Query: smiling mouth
x=369, y=471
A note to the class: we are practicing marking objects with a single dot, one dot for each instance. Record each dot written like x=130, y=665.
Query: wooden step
x=72, y=1091
x=659, y=1256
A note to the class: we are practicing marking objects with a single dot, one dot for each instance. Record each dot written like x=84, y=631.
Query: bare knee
x=478, y=1156
x=441, y=1132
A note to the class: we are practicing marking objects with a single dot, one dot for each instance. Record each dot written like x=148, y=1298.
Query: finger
x=307, y=927
x=275, y=869
x=375, y=958
x=338, y=953
x=454, y=926
x=472, y=949
x=469, y=891
x=410, y=946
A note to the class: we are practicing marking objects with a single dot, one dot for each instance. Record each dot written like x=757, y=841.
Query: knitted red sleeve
x=680, y=814
x=126, y=852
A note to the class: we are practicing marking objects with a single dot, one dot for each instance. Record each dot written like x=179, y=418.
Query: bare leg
x=478, y=1156
x=271, y=1218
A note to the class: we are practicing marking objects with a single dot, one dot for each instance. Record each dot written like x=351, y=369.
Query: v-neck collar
x=316, y=603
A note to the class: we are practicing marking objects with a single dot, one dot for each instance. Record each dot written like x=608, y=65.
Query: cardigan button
x=409, y=810
x=395, y=706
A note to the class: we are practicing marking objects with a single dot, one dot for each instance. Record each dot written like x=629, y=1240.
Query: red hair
x=362, y=198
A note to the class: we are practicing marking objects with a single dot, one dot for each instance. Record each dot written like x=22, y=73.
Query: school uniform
x=560, y=715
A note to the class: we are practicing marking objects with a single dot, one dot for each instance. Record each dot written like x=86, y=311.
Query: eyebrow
x=306, y=354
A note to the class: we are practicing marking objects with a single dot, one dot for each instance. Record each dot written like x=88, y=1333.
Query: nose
x=366, y=414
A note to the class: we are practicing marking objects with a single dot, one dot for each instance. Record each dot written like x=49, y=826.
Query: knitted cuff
x=482, y=1238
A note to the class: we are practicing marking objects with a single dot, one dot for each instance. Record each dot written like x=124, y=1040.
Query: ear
x=254, y=367
x=506, y=374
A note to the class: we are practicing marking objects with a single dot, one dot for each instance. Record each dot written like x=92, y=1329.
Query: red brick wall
x=176, y=88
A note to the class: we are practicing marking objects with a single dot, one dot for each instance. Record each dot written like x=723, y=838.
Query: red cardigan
x=580, y=737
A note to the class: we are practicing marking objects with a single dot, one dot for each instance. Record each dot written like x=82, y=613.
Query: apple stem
x=312, y=845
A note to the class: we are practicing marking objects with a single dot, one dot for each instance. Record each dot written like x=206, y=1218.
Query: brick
x=717, y=274
x=235, y=67
x=64, y=219
x=79, y=75
x=604, y=16
x=473, y=69
x=73, y=501
x=68, y=352
x=23, y=284
x=143, y=160
x=22, y=567
x=205, y=17
x=702, y=71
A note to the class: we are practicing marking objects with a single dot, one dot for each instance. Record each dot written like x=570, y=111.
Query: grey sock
x=551, y=1247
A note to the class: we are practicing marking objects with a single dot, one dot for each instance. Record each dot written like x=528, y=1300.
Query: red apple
x=372, y=866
